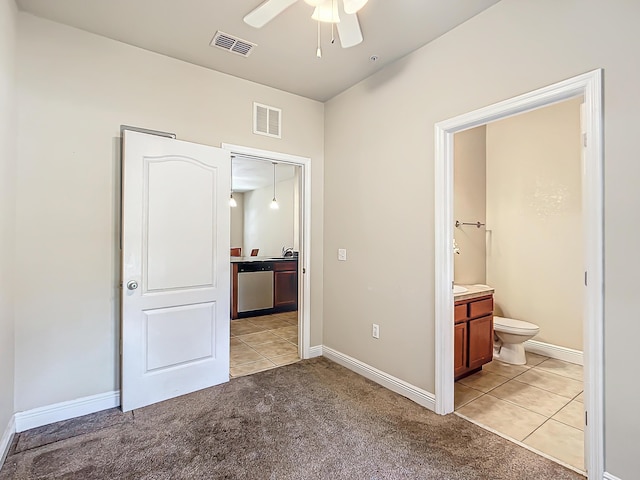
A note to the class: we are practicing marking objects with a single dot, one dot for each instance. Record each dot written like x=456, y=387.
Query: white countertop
x=473, y=291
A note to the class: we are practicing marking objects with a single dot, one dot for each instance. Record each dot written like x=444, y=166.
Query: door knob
x=132, y=284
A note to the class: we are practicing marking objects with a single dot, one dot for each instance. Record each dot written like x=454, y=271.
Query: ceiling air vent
x=267, y=120
x=232, y=44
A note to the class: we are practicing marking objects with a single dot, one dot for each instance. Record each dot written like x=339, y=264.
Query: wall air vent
x=232, y=44
x=267, y=120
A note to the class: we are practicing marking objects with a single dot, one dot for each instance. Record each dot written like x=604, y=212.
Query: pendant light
x=274, y=203
x=232, y=201
x=319, y=49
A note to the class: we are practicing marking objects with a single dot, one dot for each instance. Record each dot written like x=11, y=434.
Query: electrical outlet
x=375, y=332
x=342, y=254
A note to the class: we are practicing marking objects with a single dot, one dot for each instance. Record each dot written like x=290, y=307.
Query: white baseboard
x=315, y=351
x=5, y=440
x=608, y=476
x=418, y=395
x=66, y=410
x=553, y=351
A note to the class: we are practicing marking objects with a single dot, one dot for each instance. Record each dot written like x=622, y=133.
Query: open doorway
x=269, y=251
x=265, y=247
x=588, y=86
x=518, y=210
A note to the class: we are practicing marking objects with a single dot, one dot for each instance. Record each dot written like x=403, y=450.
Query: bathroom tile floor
x=262, y=343
x=539, y=404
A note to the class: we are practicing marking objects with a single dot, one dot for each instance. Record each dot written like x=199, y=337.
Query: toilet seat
x=513, y=326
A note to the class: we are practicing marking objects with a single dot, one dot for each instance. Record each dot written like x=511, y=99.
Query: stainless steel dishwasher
x=255, y=286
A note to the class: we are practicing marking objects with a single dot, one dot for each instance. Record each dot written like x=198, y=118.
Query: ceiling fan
x=342, y=13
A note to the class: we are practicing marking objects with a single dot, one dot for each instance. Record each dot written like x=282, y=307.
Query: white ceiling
x=248, y=174
x=285, y=56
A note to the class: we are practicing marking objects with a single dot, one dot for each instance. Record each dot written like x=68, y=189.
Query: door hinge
x=585, y=279
x=586, y=418
x=584, y=139
x=304, y=270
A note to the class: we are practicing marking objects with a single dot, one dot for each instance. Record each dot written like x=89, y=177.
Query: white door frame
x=588, y=85
x=304, y=335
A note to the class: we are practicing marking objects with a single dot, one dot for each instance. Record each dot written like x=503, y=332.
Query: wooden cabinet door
x=460, y=349
x=285, y=288
x=480, y=341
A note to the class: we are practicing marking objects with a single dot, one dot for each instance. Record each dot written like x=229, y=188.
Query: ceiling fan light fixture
x=327, y=12
x=314, y=3
x=353, y=6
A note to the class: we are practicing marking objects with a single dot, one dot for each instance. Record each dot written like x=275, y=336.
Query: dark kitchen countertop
x=262, y=259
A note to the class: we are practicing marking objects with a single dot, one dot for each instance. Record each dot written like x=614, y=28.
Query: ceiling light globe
x=274, y=205
x=232, y=202
x=352, y=6
x=326, y=13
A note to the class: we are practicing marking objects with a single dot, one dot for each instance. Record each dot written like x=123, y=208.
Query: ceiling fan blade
x=349, y=30
x=266, y=12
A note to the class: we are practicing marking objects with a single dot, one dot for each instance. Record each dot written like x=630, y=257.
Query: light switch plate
x=342, y=254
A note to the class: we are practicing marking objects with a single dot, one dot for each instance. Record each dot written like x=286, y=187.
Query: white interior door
x=175, y=268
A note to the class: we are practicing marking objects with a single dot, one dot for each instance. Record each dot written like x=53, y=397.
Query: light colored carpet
x=310, y=420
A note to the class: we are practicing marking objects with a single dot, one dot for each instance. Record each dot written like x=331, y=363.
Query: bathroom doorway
x=587, y=86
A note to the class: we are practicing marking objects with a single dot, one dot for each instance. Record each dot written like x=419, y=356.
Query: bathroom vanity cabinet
x=473, y=334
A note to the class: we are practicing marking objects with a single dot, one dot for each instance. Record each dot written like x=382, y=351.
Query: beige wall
x=469, y=205
x=8, y=27
x=265, y=228
x=74, y=91
x=237, y=221
x=535, y=254
x=380, y=145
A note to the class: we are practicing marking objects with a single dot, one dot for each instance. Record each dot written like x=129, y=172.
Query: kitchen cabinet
x=473, y=335
x=282, y=285
x=285, y=285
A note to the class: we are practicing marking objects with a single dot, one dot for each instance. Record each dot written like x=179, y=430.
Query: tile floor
x=539, y=404
x=262, y=343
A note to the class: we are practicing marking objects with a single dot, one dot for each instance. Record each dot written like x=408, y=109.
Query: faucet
x=287, y=252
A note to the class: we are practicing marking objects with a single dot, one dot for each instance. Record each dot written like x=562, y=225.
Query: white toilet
x=511, y=334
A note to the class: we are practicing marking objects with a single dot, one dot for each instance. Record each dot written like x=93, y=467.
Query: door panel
x=286, y=288
x=480, y=341
x=460, y=349
x=180, y=248
x=179, y=335
x=175, y=245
